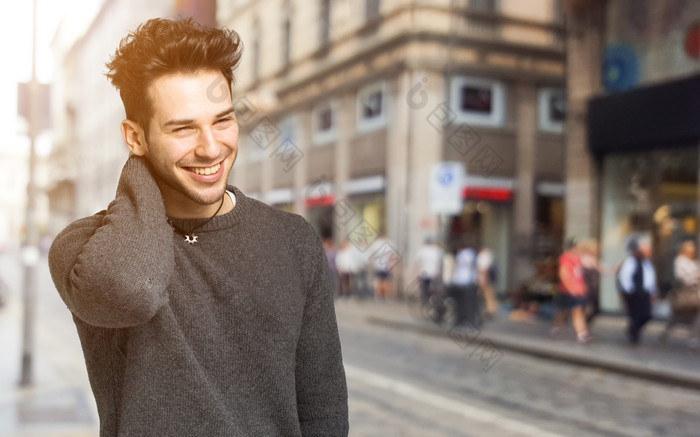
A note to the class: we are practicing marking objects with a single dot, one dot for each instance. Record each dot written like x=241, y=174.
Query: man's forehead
x=186, y=83
x=188, y=94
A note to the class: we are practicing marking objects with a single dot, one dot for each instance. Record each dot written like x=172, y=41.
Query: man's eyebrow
x=178, y=122
x=225, y=112
x=190, y=121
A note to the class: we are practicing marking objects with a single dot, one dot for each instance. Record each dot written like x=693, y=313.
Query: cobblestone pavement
x=407, y=384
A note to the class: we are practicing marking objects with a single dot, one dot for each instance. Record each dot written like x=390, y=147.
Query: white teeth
x=206, y=170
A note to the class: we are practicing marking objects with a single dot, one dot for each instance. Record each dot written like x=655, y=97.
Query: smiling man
x=201, y=312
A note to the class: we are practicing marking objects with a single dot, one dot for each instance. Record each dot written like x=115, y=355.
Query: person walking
x=465, y=288
x=429, y=261
x=637, y=280
x=591, y=278
x=331, y=254
x=685, y=295
x=571, y=298
x=200, y=311
x=382, y=257
x=485, y=274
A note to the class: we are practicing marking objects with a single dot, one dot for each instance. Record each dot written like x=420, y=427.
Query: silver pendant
x=191, y=240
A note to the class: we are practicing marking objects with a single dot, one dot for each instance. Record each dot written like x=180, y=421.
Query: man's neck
x=191, y=210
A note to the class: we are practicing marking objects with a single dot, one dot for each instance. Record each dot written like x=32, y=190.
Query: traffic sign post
x=446, y=182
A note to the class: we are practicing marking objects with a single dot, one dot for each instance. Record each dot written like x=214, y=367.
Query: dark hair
x=160, y=47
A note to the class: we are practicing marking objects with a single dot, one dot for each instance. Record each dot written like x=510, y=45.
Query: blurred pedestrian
x=685, y=295
x=382, y=257
x=591, y=277
x=637, y=280
x=486, y=275
x=331, y=253
x=464, y=289
x=429, y=259
x=352, y=269
x=571, y=298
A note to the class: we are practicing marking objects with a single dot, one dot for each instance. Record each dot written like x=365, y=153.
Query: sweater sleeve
x=322, y=396
x=112, y=269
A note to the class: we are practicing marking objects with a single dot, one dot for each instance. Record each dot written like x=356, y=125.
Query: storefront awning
x=652, y=117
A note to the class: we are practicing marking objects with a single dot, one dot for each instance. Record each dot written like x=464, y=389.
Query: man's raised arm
x=112, y=269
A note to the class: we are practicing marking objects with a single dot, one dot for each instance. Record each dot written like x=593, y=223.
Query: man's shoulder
x=288, y=223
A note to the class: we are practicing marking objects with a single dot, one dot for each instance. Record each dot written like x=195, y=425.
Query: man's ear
x=134, y=136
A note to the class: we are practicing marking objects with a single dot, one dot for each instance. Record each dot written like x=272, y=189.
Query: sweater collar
x=220, y=221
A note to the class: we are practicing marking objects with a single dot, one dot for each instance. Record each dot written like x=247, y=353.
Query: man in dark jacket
x=637, y=282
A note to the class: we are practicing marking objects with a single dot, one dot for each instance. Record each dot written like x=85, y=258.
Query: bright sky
x=16, y=46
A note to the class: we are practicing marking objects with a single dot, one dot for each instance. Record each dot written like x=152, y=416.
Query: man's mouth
x=205, y=170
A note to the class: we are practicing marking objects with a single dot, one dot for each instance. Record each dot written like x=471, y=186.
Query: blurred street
x=404, y=378
x=403, y=383
x=59, y=402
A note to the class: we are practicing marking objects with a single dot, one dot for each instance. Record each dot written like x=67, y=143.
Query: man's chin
x=208, y=198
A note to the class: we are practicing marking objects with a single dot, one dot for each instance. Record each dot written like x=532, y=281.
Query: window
x=371, y=9
x=287, y=33
x=483, y=5
x=478, y=100
x=323, y=123
x=371, y=107
x=288, y=131
x=255, y=152
x=325, y=22
x=552, y=109
x=256, y=48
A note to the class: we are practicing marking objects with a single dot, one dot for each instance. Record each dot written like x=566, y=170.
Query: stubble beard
x=169, y=183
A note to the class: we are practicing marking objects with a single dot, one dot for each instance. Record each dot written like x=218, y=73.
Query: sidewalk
x=670, y=363
x=58, y=402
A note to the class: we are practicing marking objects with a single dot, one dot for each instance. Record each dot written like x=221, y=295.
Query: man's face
x=193, y=138
x=645, y=248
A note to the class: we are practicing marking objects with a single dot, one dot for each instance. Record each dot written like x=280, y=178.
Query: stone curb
x=523, y=345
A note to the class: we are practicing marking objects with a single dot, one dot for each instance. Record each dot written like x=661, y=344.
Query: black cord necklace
x=190, y=236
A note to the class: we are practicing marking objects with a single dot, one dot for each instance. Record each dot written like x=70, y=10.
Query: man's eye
x=181, y=129
x=224, y=120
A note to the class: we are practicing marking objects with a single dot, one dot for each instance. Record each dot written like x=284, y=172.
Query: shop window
x=478, y=100
x=552, y=110
x=371, y=107
x=653, y=193
x=323, y=123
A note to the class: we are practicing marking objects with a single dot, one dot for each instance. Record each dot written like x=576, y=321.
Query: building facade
x=633, y=78
x=345, y=106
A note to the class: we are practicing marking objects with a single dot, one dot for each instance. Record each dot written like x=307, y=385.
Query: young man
x=201, y=312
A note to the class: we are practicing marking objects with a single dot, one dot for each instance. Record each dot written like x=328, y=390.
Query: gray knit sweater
x=233, y=336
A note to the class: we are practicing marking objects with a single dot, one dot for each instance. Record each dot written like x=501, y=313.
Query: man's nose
x=207, y=147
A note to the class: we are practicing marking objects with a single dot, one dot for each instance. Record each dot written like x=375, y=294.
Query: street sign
x=446, y=181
